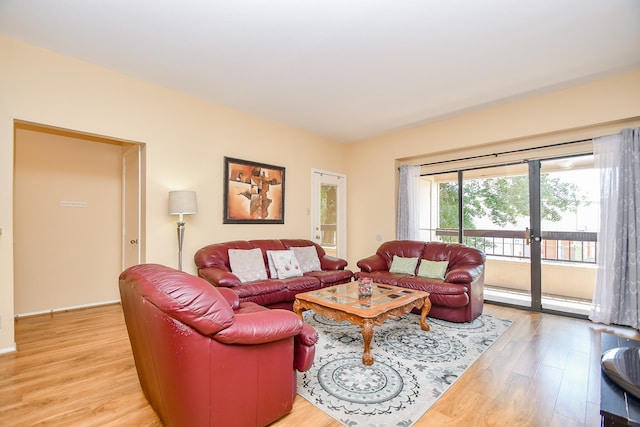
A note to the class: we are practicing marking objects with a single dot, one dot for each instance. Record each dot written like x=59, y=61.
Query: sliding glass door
x=533, y=220
x=569, y=203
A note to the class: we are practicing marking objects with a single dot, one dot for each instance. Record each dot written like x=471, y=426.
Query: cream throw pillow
x=247, y=264
x=433, y=269
x=284, y=263
x=307, y=257
x=403, y=265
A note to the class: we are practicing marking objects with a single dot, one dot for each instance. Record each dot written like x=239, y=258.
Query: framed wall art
x=253, y=193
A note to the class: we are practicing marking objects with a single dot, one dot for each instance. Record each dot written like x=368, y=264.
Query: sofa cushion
x=401, y=248
x=331, y=277
x=432, y=269
x=403, y=265
x=389, y=278
x=260, y=287
x=284, y=263
x=247, y=264
x=301, y=283
x=457, y=254
x=274, y=298
x=307, y=257
x=434, y=286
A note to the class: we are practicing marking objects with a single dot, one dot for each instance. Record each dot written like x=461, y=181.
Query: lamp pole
x=180, y=241
x=181, y=203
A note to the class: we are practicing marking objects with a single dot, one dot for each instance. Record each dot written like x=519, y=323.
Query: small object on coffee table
x=344, y=302
x=364, y=287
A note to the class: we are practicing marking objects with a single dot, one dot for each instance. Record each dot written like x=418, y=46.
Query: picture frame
x=253, y=192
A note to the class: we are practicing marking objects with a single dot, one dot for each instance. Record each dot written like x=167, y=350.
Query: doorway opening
x=73, y=199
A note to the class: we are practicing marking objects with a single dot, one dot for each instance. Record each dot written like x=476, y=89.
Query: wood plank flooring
x=76, y=369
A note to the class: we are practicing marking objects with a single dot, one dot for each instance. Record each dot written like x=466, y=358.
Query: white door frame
x=341, y=231
x=132, y=192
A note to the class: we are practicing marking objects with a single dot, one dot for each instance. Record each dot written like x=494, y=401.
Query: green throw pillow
x=403, y=265
x=433, y=269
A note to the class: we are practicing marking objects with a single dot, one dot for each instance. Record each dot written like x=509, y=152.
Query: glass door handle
x=528, y=236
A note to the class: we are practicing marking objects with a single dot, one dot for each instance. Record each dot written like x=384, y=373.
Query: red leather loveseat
x=205, y=359
x=214, y=265
x=458, y=296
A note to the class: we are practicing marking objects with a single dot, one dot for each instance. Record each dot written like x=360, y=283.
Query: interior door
x=131, y=206
x=328, y=212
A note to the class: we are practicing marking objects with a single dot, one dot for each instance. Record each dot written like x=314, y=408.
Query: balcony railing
x=566, y=246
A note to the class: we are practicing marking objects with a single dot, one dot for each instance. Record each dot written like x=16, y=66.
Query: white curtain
x=408, y=209
x=617, y=290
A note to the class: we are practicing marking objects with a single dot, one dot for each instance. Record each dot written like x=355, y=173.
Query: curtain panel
x=616, y=297
x=407, y=227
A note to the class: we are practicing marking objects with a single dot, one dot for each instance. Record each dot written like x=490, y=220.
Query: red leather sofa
x=204, y=358
x=457, y=298
x=213, y=265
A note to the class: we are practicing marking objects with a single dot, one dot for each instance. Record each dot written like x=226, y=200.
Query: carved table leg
x=367, y=334
x=426, y=307
x=297, y=309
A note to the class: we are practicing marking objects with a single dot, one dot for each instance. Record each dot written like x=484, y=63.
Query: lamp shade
x=183, y=202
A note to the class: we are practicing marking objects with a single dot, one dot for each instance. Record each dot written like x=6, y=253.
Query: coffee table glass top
x=346, y=295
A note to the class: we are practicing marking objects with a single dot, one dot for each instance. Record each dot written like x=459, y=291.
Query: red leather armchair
x=205, y=359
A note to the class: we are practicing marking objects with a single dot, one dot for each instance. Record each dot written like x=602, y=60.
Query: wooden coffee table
x=341, y=302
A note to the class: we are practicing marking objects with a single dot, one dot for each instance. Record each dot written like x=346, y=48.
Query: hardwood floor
x=76, y=369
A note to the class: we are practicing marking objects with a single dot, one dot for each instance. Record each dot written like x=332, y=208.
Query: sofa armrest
x=231, y=297
x=464, y=273
x=219, y=277
x=328, y=262
x=304, y=350
x=373, y=263
x=260, y=327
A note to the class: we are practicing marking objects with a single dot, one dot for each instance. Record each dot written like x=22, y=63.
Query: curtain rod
x=507, y=152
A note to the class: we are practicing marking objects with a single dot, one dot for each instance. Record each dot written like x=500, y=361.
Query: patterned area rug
x=411, y=368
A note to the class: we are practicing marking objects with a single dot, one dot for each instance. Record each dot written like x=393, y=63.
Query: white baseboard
x=11, y=349
x=61, y=309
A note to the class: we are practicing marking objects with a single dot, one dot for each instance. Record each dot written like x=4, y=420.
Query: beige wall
x=65, y=256
x=584, y=111
x=187, y=139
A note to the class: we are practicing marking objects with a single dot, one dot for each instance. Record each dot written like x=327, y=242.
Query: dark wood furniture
x=617, y=407
x=342, y=302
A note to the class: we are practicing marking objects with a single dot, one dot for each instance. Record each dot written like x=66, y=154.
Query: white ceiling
x=344, y=69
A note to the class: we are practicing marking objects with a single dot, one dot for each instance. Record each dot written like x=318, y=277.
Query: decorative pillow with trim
x=307, y=257
x=285, y=264
x=247, y=264
x=403, y=265
x=433, y=269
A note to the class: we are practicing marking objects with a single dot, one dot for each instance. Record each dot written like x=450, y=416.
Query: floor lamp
x=182, y=203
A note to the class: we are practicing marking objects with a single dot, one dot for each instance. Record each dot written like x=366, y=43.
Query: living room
x=187, y=137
